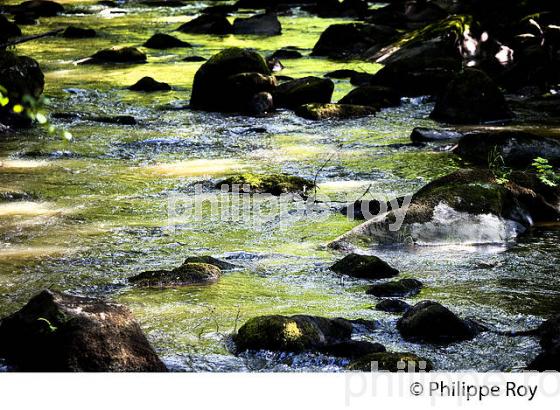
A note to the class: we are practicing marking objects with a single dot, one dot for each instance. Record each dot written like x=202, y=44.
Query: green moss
x=275, y=184
x=334, y=111
x=186, y=274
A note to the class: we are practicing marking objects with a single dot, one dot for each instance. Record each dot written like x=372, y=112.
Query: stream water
x=98, y=211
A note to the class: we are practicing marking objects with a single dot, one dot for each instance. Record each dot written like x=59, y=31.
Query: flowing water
x=98, y=206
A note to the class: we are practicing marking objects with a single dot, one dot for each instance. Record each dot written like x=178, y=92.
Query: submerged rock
x=78, y=32
x=286, y=53
x=223, y=265
x=430, y=322
x=207, y=24
x=392, y=306
x=148, y=84
x=468, y=206
x=400, y=288
x=275, y=184
x=39, y=8
x=364, y=267
x=58, y=332
x=194, y=59
x=161, y=41
x=372, y=95
x=130, y=55
x=229, y=80
x=333, y=111
x=515, y=148
x=391, y=362
x=189, y=273
x=352, y=349
x=549, y=358
x=307, y=90
x=116, y=119
x=260, y=24
x=291, y=333
x=471, y=98
x=421, y=134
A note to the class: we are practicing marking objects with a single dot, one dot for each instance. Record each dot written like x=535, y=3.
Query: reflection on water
x=97, y=207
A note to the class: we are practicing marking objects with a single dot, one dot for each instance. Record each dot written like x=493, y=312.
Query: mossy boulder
x=364, y=267
x=78, y=32
x=307, y=90
x=291, y=333
x=472, y=97
x=261, y=24
x=317, y=111
x=223, y=265
x=189, y=273
x=516, y=148
x=371, y=95
x=431, y=322
x=275, y=184
x=219, y=86
x=392, y=306
x=400, y=288
x=123, y=55
x=160, y=41
x=213, y=23
x=56, y=332
x=148, y=84
x=391, y=362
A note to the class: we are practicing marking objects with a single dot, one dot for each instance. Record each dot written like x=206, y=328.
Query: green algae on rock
x=275, y=184
x=318, y=112
x=189, y=273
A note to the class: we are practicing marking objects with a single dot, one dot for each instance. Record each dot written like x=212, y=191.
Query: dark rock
x=12, y=196
x=471, y=97
x=372, y=95
x=223, y=265
x=421, y=134
x=515, y=148
x=164, y=3
x=116, y=119
x=430, y=322
x=39, y=8
x=364, y=209
x=26, y=19
x=336, y=8
x=392, y=306
x=260, y=24
x=194, y=59
x=59, y=332
x=359, y=79
x=223, y=9
x=364, y=267
x=292, y=94
x=261, y=103
x=217, y=82
x=391, y=362
x=351, y=40
x=352, y=349
x=274, y=184
x=189, y=273
x=78, y=32
x=342, y=73
x=148, y=84
x=8, y=29
x=161, y=41
x=207, y=24
x=286, y=54
x=291, y=333
x=549, y=358
x=129, y=55
x=400, y=288
x=318, y=112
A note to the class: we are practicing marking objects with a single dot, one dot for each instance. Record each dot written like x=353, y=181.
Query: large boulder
x=474, y=206
x=307, y=90
x=260, y=24
x=39, y=8
x=375, y=96
x=516, y=148
x=59, y=332
x=471, y=97
x=351, y=40
x=430, y=322
x=162, y=41
x=291, y=333
x=391, y=362
x=189, y=273
x=274, y=184
x=549, y=358
x=229, y=80
x=207, y=24
x=364, y=267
